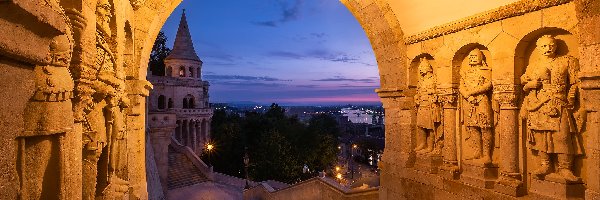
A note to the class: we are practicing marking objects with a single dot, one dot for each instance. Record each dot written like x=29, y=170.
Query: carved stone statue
x=475, y=88
x=552, y=86
x=428, y=112
x=100, y=104
x=48, y=117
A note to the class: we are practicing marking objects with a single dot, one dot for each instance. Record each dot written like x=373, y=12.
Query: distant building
x=357, y=115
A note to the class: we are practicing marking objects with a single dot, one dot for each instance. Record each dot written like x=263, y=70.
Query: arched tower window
x=185, y=103
x=198, y=74
x=191, y=72
x=170, y=104
x=161, y=102
x=182, y=71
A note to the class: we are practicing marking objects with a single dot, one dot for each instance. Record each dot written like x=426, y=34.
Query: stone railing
x=239, y=183
x=203, y=167
x=315, y=188
x=192, y=111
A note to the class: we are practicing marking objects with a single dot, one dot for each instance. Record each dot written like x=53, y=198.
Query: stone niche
x=74, y=89
x=506, y=109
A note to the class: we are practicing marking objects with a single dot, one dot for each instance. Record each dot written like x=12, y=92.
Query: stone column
x=160, y=138
x=448, y=98
x=178, y=130
x=509, y=181
x=590, y=85
x=185, y=129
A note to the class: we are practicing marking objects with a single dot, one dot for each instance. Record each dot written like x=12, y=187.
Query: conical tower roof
x=183, y=48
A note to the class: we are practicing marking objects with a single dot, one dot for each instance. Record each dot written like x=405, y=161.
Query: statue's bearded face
x=475, y=57
x=103, y=15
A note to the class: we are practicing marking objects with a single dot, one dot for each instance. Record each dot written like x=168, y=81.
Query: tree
x=159, y=52
x=278, y=145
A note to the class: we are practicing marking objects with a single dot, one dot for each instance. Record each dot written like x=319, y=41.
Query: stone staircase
x=182, y=172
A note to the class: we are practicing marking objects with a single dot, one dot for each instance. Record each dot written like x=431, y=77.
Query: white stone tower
x=178, y=105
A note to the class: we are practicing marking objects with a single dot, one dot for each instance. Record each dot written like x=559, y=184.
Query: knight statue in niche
x=475, y=88
x=551, y=85
x=99, y=107
x=428, y=112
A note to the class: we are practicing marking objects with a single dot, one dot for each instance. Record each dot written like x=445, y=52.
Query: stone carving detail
x=475, y=88
x=429, y=139
x=506, y=95
x=48, y=117
x=551, y=108
x=99, y=106
x=447, y=96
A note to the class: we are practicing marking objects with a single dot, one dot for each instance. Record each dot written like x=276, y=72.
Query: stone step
x=182, y=172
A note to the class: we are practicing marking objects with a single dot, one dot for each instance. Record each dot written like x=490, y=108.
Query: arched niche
x=413, y=70
x=525, y=56
x=524, y=52
x=467, y=145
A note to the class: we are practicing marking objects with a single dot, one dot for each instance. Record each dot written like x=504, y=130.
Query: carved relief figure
x=48, y=117
x=100, y=104
x=552, y=86
x=475, y=88
x=428, y=112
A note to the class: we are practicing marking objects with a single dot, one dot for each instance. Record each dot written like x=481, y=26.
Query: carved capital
x=448, y=96
x=507, y=95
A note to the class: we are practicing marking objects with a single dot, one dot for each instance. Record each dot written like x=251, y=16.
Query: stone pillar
x=591, y=92
x=192, y=143
x=588, y=16
x=178, y=130
x=448, y=98
x=185, y=132
x=509, y=181
x=137, y=92
x=198, y=138
x=161, y=139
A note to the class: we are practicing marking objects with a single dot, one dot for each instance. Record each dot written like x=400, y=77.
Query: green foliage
x=159, y=52
x=278, y=145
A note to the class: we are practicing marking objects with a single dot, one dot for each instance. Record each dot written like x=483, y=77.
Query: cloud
x=243, y=85
x=307, y=86
x=215, y=77
x=321, y=54
x=341, y=78
x=314, y=37
x=289, y=12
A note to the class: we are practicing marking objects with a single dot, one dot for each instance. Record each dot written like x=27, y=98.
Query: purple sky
x=284, y=51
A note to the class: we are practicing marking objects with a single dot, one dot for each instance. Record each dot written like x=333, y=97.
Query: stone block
x=520, y=26
x=557, y=190
x=510, y=187
x=588, y=31
x=427, y=163
x=562, y=16
x=479, y=175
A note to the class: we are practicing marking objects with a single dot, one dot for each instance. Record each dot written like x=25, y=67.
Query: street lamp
x=209, y=148
x=246, y=162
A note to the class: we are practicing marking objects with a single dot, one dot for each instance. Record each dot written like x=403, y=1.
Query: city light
x=354, y=146
x=338, y=176
x=209, y=146
x=337, y=169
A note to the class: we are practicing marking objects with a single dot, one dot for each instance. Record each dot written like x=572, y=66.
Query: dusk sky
x=292, y=52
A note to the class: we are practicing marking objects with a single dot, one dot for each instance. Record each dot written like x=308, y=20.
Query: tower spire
x=183, y=48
